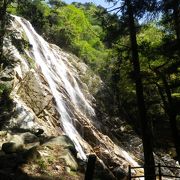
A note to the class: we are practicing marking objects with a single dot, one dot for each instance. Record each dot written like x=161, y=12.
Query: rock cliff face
x=51, y=98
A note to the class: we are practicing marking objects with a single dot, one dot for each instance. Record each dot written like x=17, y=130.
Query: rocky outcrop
x=39, y=157
x=35, y=93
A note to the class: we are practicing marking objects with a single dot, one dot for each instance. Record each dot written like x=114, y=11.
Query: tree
x=129, y=8
x=112, y=26
x=162, y=57
x=146, y=133
x=170, y=109
x=170, y=49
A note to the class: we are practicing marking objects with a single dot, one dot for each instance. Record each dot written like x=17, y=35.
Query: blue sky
x=98, y=2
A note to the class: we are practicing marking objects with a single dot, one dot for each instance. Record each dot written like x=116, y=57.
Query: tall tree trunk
x=146, y=132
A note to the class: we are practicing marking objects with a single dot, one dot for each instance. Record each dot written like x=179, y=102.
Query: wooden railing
x=159, y=173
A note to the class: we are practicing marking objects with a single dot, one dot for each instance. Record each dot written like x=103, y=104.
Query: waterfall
x=55, y=70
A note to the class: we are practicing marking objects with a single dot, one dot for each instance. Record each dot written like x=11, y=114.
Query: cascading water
x=56, y=73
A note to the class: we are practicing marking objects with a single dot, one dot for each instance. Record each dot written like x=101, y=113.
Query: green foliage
x=74, y=32
x=5, y=100
x=36, y=11
x=4, y=89
x=42, y=164
x=12, y=8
